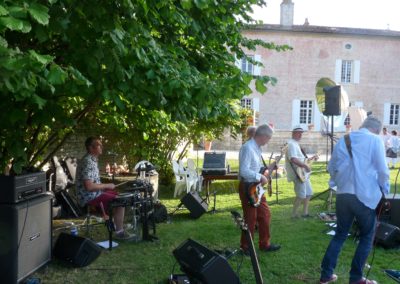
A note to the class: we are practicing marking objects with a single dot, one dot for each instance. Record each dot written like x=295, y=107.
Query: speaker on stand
x=332, y=106
x=25, y=237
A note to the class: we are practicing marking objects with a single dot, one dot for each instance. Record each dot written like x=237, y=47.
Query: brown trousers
x=252, y=215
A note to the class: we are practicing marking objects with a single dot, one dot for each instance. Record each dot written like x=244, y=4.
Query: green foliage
x=63, y=61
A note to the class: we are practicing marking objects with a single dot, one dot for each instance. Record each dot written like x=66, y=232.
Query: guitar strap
x=265, y=164
x=304, y=152
x=348, y=144
x=383, y=202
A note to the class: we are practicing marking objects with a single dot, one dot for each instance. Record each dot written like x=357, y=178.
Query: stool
x=92, y=214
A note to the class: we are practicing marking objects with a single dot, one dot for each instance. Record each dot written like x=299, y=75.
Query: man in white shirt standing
x=359, y=170
x=249, y=172
x=295, y=163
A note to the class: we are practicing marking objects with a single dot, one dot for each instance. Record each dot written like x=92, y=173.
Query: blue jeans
x=349, y=207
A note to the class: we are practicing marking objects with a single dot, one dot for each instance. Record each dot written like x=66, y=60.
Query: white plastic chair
x=192, y=170
x=182, y=180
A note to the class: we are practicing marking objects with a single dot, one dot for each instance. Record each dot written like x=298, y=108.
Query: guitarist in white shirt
x=249, y=172
x=298, y=172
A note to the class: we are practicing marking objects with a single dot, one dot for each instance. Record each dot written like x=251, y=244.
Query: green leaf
x=260, y=86
x=150, y=74
x=43, y=59
x=56, y=76
x=39, y=101
x=201, y=4
x=12, y=23
x=3, y=41
x=82, y=80
x=26, y=28
x=3, y=11
x=39, y=13
x=186, y=4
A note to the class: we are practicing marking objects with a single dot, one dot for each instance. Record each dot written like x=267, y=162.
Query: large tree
x=64, y=61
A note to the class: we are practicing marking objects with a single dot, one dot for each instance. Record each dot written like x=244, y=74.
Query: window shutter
x=338, y=71
x=257, y=69
x=317, y=117
x=356, y=71
x=238, y=63
x=256, y=104
x=295, y=112
x=386, y=113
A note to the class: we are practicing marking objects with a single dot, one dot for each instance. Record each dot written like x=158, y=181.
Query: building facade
x=364, y=62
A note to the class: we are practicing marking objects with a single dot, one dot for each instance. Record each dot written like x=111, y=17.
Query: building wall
x=314, y=56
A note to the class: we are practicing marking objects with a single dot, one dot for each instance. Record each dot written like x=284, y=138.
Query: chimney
x=287, y=11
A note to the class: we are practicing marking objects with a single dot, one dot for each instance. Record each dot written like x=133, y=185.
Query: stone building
x=364, y=62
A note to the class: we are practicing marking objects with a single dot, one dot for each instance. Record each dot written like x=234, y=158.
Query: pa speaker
x=203, y=265
x=25, y=237
x=332, y=100
x=194, y=204
x=76, y=250
x=387, y=235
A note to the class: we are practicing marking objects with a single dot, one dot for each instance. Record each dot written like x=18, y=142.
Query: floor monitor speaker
x=194, y=204
x=203, y=265
x=76, y=250
x=387, y=235
x=394, y=211
x=25, y=237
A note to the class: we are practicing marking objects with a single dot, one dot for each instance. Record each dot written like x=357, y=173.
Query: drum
x=123, y=199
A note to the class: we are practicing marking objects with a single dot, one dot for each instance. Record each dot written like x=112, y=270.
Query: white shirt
x=250, y=161
x=293, y=151
x=366, y=173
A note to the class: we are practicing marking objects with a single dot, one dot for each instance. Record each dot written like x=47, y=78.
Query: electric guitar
x=255, y=190
x=301, y=173
x=254, y=261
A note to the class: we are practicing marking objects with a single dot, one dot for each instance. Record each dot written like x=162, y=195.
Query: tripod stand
x=329, y=200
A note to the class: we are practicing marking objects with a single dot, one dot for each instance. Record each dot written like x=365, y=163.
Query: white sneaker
x=124, y=235
x=330, y=280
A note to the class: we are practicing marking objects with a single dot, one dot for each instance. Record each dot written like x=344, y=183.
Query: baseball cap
x=298, y=128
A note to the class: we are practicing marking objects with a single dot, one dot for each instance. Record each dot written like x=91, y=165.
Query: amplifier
x=214, y=163
x=15, y=189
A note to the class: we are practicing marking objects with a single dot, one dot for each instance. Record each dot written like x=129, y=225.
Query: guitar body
x=301, y=172
x=254, y=192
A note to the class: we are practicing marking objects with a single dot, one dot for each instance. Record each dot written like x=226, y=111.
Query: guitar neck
x=254, y=260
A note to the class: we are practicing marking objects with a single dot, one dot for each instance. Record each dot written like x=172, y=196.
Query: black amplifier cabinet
x=14, y=189
x=214, y=163
x=25, y=237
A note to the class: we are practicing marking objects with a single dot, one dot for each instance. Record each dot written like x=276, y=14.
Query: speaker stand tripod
x=203, y=200
x=329, y=201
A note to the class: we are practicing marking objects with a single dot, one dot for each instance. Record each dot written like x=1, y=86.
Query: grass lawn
x=303, y=243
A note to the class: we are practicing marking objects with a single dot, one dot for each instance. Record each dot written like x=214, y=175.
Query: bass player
x=249, y=172
x=298, y=171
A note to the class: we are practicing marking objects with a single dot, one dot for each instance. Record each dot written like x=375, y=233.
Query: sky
x=368, y=14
